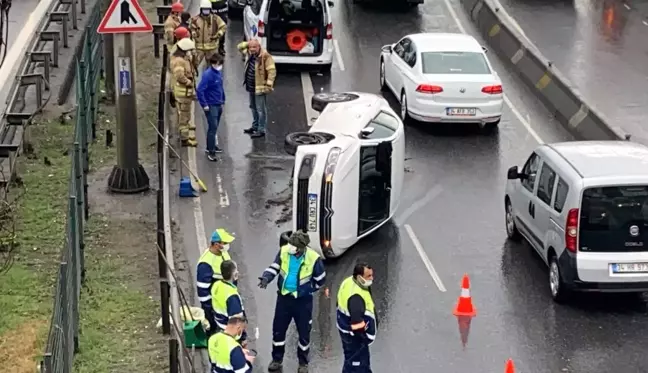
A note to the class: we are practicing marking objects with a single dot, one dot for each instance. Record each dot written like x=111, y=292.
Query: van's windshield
x=614, y=219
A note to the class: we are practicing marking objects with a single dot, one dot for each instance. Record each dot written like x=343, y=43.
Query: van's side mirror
x=513, y=173
x=330, y=3
x=284, y=237
x=366, y=131
x=387, y=49
x=485, y=49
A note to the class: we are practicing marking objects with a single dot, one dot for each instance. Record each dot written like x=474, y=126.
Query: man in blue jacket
x=211, y=97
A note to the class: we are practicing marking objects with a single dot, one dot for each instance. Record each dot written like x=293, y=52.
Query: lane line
x=419, y=204
x=626, y=6
x=308, y=91
x=645, y=22
x=425, y=259
x=224, y=198
x=507, y=101
x=201, y=237
x=338, y=54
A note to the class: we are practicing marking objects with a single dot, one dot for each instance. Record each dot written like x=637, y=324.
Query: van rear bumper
x=569, y=272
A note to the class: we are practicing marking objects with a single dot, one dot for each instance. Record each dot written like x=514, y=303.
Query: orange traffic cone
x=510, y=368
x=464, y=304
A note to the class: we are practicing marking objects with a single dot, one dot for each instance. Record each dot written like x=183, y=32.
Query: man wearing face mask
x=209, y=271
x=356, y=319
x=207, y=29
x=226, y=300
x=211, y=97
x=225, y=353
x=301, y=273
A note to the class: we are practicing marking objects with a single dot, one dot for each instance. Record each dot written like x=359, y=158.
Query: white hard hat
x=205, y=4
x=186, y=44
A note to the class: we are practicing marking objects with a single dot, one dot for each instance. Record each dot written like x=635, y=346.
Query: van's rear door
x=614, y=219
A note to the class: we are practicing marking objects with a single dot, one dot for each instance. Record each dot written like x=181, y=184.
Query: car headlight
x=331, y=163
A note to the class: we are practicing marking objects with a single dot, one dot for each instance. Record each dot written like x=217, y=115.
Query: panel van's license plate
x=468, y=112
x=312, y=212
x=630, y=268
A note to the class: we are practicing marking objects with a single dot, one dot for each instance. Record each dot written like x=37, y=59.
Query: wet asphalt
x=600, y=45
x=457, y=175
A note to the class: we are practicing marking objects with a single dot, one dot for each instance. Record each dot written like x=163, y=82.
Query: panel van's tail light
x=329, y=31
x=493, y=89
x=326, y=202
x=427, y=88
x=571, y=230
x=261, y=29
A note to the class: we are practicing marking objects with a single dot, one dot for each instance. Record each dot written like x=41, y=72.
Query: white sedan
x=442, y=78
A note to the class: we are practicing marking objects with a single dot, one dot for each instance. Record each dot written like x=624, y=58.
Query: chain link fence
x=63, y=336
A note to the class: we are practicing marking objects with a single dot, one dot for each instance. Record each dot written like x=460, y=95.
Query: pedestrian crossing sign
x=124, y=16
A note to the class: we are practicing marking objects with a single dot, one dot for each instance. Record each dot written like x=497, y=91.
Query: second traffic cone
x=510, y=368
x=464, y=304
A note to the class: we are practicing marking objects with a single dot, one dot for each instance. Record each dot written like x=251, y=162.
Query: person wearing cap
x=301, y=273
x=209, y=271
x=184, y=89
x=226, y=300
x=356, y=319
x=172, y=22
x=226, y=355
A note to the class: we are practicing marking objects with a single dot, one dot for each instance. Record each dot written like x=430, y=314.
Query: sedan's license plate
x=630, y=268
x=312, y=212
x=466, y=112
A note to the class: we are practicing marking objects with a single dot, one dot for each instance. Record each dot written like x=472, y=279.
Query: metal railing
x=63, y=337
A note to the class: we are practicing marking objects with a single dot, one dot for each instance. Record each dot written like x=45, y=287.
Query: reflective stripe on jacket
x=183, y=77
x=207, y=273
x=170, y=25
x=207, y=30
x=226, y=355
x=349, y=288
x=226, y=302
x=265, y=71
x=311, y=273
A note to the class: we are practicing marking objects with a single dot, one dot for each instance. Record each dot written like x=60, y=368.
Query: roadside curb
x=546, y=81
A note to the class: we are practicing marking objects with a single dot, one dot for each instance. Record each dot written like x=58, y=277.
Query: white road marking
x=201, y=237
x=224, y=198
x=425, y=259
x=308, y=91
x=338, y=54
x=508, y=102
x=645, y=22
x=626, y=6
x=429, y=196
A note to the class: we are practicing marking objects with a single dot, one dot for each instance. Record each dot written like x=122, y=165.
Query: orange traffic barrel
x=296, y=40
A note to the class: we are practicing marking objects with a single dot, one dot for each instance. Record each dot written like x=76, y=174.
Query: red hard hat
x=181, y=33
x=177, y=7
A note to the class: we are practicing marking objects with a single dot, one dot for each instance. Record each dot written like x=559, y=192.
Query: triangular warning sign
x=124, y=16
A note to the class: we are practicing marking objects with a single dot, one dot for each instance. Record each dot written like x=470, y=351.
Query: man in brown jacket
x=260, y=74
x=172, y=22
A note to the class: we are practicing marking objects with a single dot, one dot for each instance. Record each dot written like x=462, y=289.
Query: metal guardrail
x=63, y=337
x=32, y=80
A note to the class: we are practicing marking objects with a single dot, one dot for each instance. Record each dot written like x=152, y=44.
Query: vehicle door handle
x=531, y=209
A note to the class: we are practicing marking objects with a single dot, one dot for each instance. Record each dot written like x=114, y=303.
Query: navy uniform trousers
x=356, y=354
x=289, y=308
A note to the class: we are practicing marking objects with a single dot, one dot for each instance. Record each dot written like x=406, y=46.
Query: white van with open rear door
x=293, y=31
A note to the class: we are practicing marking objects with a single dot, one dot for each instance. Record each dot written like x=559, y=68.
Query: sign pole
x=128, y=176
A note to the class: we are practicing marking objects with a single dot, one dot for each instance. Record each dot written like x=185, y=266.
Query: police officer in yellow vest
x=171, y=23
x=225, y=353
x=207, y=29
x=184, y=89
x=209, y=271
x=356, y=319
x=226, y=300
x=301, y=273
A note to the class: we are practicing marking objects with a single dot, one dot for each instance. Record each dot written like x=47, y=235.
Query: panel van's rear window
x=614, y=219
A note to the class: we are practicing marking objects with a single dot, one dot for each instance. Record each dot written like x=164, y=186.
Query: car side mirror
x=513, y=173
x=485, y=49
x=365, y=132
x=330, y=3
x=387, y=49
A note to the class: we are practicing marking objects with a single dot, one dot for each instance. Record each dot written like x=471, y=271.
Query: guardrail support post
x=55, y=38
x=73, y=12
x=62, y=17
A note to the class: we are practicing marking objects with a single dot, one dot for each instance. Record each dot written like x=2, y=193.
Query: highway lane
x=460, y=227
x=600, y=46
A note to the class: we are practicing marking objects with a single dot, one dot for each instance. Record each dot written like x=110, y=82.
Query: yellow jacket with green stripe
x=265, y=71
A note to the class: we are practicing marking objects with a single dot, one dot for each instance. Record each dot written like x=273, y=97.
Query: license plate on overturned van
x=312, y=212
x=630, y=268
x=465, y=112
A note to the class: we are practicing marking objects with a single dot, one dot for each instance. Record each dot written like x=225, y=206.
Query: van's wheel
x=559, y=292
x=295, y=139
x=511, y=229
x=383, y=81
x=320, y=100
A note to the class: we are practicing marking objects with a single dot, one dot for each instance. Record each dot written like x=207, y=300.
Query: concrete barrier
x=547, y=83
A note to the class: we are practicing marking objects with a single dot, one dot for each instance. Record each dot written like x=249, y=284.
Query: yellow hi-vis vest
x=305, y=272
x=220, y=347
x=348, y=289
x=220, y=292
x=214, y=262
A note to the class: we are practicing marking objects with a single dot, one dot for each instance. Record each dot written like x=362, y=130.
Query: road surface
x=456, y=178
x=600, y=45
